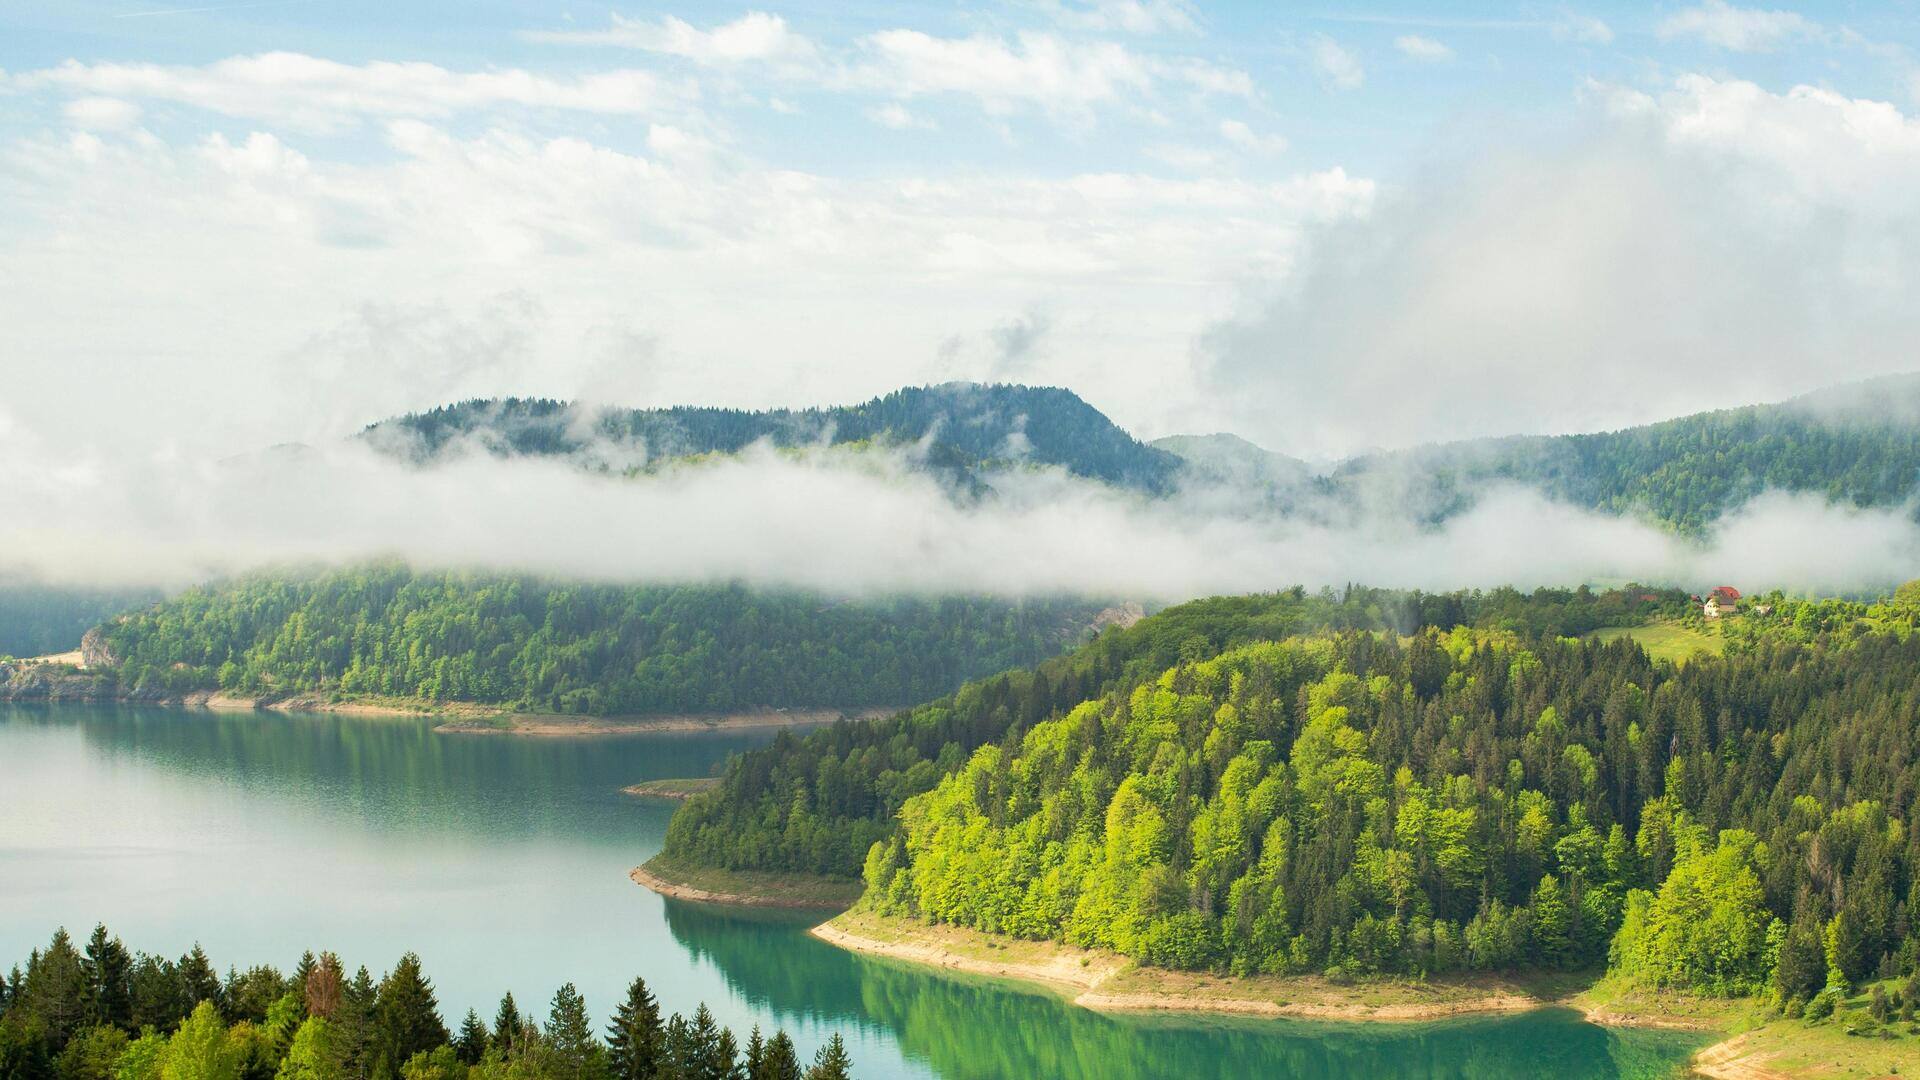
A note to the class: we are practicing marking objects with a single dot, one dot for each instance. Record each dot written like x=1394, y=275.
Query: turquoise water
x=503, y=861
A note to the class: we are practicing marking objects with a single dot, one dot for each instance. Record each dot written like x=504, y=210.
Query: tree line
x=531, y=643
x=100, y=1012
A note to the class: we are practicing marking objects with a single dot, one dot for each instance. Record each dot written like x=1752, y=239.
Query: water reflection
x=969, y=1028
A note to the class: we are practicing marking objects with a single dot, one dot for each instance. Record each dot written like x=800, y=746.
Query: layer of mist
x=875, y=522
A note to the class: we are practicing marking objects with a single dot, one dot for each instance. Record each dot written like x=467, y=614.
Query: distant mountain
x=963, y=429
x=1233, y=461
x=1857, y=444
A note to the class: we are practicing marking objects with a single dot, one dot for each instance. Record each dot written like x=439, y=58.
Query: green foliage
x=1350, y=801
x=819, y=803
x=529, y=643
x=323, y=1027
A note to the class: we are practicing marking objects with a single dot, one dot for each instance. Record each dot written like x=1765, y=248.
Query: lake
x=502, y=861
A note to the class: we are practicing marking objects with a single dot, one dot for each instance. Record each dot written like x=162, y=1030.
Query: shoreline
x=461, y=717
x=792, y=892
x=1107, y=982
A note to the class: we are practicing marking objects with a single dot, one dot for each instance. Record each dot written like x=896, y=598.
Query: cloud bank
x=870, y=523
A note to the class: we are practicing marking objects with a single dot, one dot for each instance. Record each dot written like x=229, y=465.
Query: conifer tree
x=783, y=1062
x=831, y=1062
x=56, y=991
x=406, y=1017
x=506, y=1024
x=109, y=969
x=578, y=1055
x=471, y=1042
x=198, y=981
x=635, y=1039
x=756, y=1057
x=323, y=986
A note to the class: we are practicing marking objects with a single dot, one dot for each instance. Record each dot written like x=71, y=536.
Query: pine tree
x=198, y=981
x=723, y=1059
x=831, y=1062
x=109, y=970
x=635, y=1039
x=506, y=1024
x=471, y=1042
x=406, y=1018
x=569, y=1033
x=756, y=1061
x=783, y=1062
x=56, y=991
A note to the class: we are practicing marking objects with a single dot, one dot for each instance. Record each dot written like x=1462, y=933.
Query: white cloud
x=311, y=93
x=1244, y=137
x=1712, y=244
x=101, y=113
x=754, y=37
x=1339, y=69
x=1045, y=71
x=1737, y=29
x=1582, y=29
x=288, y=245
x=897, y=117
x=1129, y=16
x=863, y=524
x=1422, y=48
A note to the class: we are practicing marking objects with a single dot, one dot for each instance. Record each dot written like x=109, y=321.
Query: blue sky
x=1295, y=221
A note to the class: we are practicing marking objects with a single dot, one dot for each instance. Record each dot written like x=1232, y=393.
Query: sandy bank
x=1108, y=982
x=677, y=790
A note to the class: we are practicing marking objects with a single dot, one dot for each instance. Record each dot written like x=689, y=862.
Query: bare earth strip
x=1110, y=983
x=1731, y=1060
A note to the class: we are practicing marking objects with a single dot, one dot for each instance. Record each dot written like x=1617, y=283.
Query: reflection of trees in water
x=394, y=770
x=973, y=1029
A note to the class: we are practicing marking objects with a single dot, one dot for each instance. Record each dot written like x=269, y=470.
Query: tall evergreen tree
x=56, y=991
x=831, y=1062
x=506, y=1024
x=406, y=1017
x=569, y=1034
x=635, y=1038
x=783, y=1061
x=755, y=1062
x=471, y=1042
x=109, y=976
x=198, y=981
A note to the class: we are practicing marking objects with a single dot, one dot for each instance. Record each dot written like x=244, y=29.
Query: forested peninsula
x=386, y=632
x=1382, y=786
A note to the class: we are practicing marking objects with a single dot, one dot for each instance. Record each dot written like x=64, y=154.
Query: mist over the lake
x=876, y=522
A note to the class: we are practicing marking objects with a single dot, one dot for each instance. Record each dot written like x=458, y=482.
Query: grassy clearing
x=1668, y=640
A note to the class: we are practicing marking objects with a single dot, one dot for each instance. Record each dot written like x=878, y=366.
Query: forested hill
x=531, y=643
x=963, y=428
x=1857, y=445
x=1242, y=786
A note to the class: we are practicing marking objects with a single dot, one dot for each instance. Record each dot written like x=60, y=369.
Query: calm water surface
x=503, y=861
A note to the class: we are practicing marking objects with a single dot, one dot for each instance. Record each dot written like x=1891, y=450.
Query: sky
x=1325, y=227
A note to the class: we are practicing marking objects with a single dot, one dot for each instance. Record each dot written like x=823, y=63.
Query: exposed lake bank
x=1108, y=982
x=744, y=888
x=43, y=681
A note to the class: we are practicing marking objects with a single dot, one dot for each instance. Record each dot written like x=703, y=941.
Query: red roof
x=1726, y=592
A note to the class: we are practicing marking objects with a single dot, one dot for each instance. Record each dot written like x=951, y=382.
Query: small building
x=1728, y=596
x=1711, y=609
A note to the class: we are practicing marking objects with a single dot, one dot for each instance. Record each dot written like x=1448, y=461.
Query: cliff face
x=95, y=653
